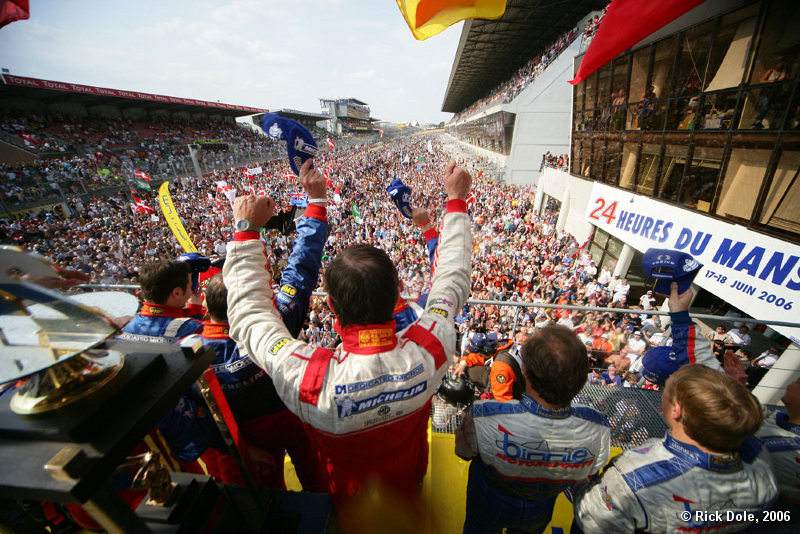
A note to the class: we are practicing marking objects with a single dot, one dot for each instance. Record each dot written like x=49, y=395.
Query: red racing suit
x=366, y=404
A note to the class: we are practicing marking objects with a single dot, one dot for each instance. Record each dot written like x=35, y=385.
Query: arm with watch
x=301, y=275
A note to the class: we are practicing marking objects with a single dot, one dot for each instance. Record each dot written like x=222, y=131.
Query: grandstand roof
x=87, y=95
x=344, y=100
x=491, y=51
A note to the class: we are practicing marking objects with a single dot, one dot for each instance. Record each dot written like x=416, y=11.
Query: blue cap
x=198, y=263
x=476, y=342
x=670, y=265
x=400, y=194
x=660, y=362
x=300, y=144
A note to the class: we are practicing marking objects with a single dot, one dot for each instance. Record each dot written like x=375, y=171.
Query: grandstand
x=692, y=150
x=348, y=116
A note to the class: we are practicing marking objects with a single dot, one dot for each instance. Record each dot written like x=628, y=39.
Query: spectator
x=720, y=341
x=740, y=336
x=563, y=443
x=611, y=378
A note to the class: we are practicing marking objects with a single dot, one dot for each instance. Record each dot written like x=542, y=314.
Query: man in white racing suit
x=366, y=404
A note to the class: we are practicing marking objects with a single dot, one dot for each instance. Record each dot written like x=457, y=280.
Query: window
x=695, y=45
x=639, y=71
x=662, y=66
x=700, y=183
x=779, y=43
x=780, y=208
x=630, y=158
x=648, y=169
x=672, y=167
x=743, y=178
x=728, y=59
x=717, y=112
x=613, y=156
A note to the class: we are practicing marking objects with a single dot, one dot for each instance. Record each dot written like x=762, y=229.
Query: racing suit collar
x=537, y=409
x=368, y=339
x=213, y=330
x=719, y=463
x=150, y=309
x=782, y=420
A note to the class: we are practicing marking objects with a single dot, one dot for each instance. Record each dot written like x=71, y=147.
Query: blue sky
x=263, y=53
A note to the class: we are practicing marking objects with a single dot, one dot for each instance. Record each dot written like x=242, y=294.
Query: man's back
x=657, y=486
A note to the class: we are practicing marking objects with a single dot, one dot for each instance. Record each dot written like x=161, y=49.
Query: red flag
x=626, y=23
x=141, y=175
x=381, y=133
x=29, y=139
x=252, y=189
x=141, y=206
x=471, y=197
x=330, y=143
x=248, y=174
x=289, y=175
x=262, y=191
x=13, y=10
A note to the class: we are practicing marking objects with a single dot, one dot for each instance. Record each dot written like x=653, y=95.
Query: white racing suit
x=366, y=404
x=670, y=486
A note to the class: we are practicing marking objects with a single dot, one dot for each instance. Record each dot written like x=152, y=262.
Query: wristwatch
x=244, y=225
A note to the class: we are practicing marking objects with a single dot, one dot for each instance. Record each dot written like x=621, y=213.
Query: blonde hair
x=716, y=410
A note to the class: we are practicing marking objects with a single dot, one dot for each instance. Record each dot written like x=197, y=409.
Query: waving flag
x=337, y=195
x=471, y=197
x=251, y=189
x=226, y=189
x=248, y=174
x=29, y=139
x=13, y=10
x=626, y=23
x=140, y=206
x=261, y=191
x=141, y=176
x=289, y=175
x=299, y=198
x=330, y=143
x=426, y=18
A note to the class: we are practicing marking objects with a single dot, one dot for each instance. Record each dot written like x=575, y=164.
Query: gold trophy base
x=67, y=382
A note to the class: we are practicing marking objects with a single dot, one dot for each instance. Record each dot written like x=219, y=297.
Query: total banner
x=756, y=273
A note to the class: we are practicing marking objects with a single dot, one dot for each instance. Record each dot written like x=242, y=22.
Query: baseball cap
x=649, y=292
x=400, y=194
x=300, y=144
x=660, y=362
x=667, y=265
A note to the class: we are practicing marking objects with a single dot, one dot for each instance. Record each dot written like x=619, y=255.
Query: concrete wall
x=574, y=195
x=543, y=118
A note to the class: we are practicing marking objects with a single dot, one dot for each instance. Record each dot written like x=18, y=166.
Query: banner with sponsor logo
x=104, y=91
x=758, y=274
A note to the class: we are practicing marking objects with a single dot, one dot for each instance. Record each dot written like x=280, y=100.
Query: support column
x=624, y=260
x=563, y=213
x=537, y=200
x=785, y=371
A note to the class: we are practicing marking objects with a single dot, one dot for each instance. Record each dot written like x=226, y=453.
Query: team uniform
x=686, y=336
x=782, y=440
x=524, y=456
x=367, y=403
x=656, y=487
x=261, y=415
x=406, y=312
x=156, y=323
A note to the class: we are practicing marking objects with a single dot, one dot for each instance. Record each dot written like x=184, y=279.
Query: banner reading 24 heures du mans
x=758, y=274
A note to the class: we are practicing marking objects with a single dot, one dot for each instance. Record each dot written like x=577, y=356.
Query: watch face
x=243, y=225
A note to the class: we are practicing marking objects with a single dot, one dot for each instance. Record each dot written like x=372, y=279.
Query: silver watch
x=245, y=226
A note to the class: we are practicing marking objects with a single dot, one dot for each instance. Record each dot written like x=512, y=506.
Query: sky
x=270, y=54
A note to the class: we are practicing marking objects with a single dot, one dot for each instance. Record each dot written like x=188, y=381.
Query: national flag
x=141, y=184
x=626, y=23
x=355, y=212
x=221, y=209
x=337, y=195
x=381, y=134
x=261, y=191
x=330, y=143
x=289, y=175
x=426, y=18
x=471, y=197
x=299, y=198
x=29, y=139
x=248, y=174
x=140, y=206
x=13, y=10
x=226, y=189
x=142, y=176
x=251, y=189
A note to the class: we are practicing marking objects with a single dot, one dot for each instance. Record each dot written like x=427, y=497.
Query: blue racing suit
x=406, y=312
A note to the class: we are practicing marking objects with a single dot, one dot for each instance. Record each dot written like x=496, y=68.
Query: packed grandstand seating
x=509, y=90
